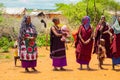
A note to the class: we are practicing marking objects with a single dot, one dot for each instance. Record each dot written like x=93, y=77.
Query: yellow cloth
x=16, y=53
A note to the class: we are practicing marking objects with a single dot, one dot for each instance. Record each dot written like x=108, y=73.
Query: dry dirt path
x=9, y=72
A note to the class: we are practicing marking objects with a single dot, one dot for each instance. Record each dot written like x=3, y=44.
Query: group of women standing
x=28, y=49
x=85, y=40
x=111, y=36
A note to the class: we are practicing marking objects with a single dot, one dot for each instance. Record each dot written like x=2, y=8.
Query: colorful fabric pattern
x=28, y=49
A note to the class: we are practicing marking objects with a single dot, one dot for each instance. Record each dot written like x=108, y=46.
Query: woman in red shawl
x=84, y=43
x=103, y=31
x=116, y=43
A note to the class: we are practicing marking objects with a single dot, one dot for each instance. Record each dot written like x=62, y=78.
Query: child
x=16, y=56
x=101, y=52
x=66, y=33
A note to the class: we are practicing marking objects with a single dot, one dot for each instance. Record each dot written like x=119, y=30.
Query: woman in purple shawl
x=27, y=45
x=84, y=43
x=57, y=47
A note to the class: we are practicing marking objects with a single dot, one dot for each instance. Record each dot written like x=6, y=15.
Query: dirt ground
x=45, y=70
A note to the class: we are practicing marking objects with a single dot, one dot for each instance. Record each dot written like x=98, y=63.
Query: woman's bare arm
x=54, y=31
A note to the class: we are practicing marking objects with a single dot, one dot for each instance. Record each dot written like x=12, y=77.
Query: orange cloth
x=74, y=34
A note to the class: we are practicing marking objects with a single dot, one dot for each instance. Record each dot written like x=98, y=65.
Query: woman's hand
x=64, y=34
x=87, y=41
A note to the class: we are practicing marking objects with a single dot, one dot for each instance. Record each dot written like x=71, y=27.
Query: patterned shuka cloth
x=57, y=50
x=27, y=47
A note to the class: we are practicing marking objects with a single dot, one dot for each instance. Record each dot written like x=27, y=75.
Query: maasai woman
x=27, y=45
x=103, y=32
x=84, y=43
x=116, y=43
x=57, y=47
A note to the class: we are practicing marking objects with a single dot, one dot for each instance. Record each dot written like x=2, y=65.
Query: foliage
x=5, y=44
x=41, y=40
x=74, y=12
x=1, y=18
x=6, y=56
x=70, y=11
x=1, y=57
x=5, y=49
x=1, y=5
x=3, y=41
x=107, y=4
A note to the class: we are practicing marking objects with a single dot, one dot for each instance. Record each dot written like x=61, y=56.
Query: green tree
x=92, y=8
x=107, y=4
x=1, y=18
x=74, y=12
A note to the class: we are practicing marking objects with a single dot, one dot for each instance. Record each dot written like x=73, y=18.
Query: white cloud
x=24, y=1
x=44, y=4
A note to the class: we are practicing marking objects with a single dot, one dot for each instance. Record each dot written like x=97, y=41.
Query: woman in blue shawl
x=116, y=43
x=27, y=45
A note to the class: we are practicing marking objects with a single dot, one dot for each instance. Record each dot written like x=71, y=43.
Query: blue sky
x=39, y=4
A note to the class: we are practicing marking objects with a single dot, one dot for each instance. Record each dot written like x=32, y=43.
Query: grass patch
x=7, y=57
x=1, y=56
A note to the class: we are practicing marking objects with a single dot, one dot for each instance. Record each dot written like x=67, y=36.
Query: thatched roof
x=14, y=11
x=114, y=13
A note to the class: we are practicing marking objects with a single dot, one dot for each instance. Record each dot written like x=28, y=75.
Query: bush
x=1, y=18
x=11, y=44
x=5, y=49
x=41, y=40
x=4, y=41
x=5, y=44
x=7, y=57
